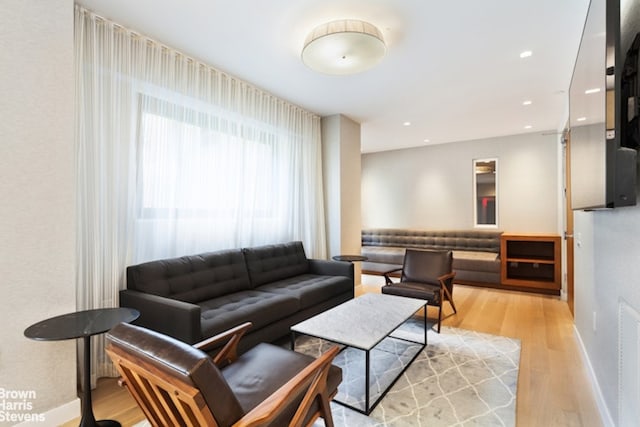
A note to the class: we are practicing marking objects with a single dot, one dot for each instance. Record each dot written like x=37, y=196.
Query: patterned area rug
x=462, y=378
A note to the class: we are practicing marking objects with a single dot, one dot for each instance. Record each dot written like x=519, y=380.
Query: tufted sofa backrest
x=192, y=278
x=270, y=263
x=462, y=240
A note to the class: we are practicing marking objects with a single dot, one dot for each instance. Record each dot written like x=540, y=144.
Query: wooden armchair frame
x=167, y=400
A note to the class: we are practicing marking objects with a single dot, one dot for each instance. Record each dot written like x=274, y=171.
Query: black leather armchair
x=175, y=383
x=426, y=275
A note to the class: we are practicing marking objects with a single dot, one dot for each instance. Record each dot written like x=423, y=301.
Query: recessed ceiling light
x=594, y=90
x=426, y=140
x=406, y=124
x=581, y=119
x=526, y=54
x=527, y=102
x=528, y=127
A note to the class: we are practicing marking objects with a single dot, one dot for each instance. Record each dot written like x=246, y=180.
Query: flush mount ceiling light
x=347, y=46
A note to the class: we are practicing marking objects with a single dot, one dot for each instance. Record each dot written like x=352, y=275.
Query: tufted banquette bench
x=195, y=297
x=476, y=254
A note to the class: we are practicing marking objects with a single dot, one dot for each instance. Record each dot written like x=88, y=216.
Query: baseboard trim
x=57, y=416
x=605, y=415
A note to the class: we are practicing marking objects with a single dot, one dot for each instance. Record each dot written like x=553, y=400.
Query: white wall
x=607, y=273
x=350, y=173
x=331, y=175
x=341, y=169
x=37, y=228
x=432, y=187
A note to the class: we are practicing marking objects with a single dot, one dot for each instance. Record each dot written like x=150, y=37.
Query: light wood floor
x=553, y=387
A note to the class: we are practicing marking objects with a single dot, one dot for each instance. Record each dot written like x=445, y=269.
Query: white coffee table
x=362, y=323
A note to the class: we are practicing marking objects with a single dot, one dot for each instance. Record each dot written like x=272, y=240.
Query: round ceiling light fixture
x=346, y=46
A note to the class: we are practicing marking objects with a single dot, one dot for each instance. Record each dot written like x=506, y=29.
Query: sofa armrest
x=172, y=317
x=331, y=268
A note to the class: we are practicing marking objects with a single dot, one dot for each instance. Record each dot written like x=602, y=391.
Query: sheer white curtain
x=175, y=158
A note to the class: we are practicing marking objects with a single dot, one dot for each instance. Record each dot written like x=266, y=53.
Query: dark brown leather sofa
x=476, y=253
x=274, y=287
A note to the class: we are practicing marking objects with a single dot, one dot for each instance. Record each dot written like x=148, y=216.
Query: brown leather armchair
x=427, y=275
x=177, y=384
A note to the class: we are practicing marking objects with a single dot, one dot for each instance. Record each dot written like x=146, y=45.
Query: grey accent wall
x=432, y=187
x=37, y=231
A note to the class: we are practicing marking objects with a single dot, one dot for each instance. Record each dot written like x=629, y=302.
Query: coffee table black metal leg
x=425, y=324
x=293, y=340
x=366, y=384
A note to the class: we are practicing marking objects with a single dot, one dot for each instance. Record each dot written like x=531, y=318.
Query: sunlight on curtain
x=176, y=158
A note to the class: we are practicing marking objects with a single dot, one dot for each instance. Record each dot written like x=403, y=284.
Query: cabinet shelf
x=531, y=261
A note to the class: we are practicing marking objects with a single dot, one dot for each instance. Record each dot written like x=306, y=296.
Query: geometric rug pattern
x=462, y=378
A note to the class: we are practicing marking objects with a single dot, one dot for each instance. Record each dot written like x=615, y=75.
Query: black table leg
x=425, y=324
x=88, y=419
x=87, y=407
x=366, y=385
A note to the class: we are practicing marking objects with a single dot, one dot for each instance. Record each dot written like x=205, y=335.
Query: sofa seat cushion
x=417, y=290
x=258, y=373
x=384, y=254
x=476, y=261
x=260, y=308
x=384, y=258
x=379, y=268
x=309, y=289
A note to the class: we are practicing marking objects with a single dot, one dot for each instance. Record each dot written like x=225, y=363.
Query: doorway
x=568, y=220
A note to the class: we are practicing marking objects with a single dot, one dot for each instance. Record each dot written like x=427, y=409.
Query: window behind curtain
x=196, y=158
x=208, y=181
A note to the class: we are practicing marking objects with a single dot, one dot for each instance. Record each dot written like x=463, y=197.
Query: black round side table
x=83, y=324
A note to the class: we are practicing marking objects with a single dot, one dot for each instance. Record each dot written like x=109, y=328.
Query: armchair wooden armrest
x=387, y=279
x=229, y=352
x=449, y=276
x=446, y=279
x=314, y=379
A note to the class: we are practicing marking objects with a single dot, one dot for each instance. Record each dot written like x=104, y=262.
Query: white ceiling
x=452, y=69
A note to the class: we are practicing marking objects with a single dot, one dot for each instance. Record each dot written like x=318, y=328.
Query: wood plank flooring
x=553, y=387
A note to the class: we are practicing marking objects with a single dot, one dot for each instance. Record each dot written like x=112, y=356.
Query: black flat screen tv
x=602, y=160
x=630, y=89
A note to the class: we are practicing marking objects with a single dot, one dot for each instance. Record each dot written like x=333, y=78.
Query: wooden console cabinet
x=531, y=261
